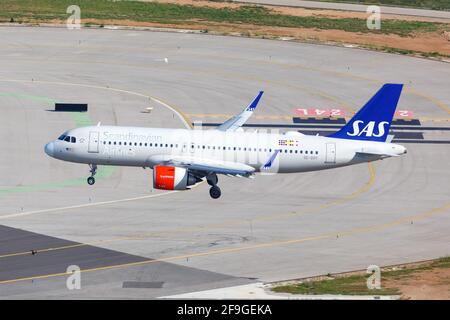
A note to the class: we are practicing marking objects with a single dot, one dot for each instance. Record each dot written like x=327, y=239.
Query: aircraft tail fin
x=373, y=121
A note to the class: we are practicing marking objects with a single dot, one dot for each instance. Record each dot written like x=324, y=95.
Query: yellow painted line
x=435, y=101
x=186, y=120
x=144, y=236
x=25, y=253
x=290, y=66
x=329, y=235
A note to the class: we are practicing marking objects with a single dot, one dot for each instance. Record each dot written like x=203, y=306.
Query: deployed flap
x=238, y=120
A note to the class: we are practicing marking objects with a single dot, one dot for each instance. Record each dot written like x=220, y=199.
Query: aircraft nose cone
x=50, y=149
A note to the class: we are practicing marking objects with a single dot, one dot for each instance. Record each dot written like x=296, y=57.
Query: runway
x=135, y=242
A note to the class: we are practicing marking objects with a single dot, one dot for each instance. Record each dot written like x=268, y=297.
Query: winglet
x=238, y=120
x=272, y=158
x=252, y=106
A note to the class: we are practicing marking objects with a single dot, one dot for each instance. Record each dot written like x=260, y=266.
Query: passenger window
x=306, y=152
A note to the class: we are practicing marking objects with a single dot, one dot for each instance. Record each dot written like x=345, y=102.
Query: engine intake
x=173, y=178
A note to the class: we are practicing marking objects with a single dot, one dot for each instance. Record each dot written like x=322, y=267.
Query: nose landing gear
x=214, y=191
x=93, y=171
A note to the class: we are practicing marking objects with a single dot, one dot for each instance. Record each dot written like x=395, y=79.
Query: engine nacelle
x=172, y=178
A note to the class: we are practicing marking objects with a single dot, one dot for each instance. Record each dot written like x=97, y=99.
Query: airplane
x=182, y=158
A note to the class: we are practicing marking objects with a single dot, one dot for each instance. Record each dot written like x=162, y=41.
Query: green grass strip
x=357, y=284
x=81, y=119
x=165, y=13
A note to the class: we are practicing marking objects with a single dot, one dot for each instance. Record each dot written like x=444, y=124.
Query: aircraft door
x=331, y=153
x=93, y=142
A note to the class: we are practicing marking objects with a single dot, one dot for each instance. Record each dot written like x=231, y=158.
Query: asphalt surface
x=270, y=228
x=353, y=7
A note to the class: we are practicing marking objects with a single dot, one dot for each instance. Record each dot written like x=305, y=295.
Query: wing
x=205, y=166
x=238, y=120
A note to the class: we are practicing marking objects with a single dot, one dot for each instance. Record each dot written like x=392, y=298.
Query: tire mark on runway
x=433, y=100
x=329, y=235
x=278, y=216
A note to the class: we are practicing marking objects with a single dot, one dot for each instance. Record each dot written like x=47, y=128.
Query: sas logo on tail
x=368, y=130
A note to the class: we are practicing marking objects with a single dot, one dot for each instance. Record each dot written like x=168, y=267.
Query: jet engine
x=173, y=178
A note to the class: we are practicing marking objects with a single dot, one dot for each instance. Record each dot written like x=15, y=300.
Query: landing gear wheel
x=93, y=171
x=215, y=192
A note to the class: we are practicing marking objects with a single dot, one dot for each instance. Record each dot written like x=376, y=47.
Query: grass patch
x=353, y=285
x=424, y=4
x=167, y=13
x=356, y=284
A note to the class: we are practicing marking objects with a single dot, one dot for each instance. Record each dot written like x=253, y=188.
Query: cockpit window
x=67, y=139
x=62, y=137
x=73, y=139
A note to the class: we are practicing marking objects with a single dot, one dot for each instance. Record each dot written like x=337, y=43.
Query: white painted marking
x=183, y=120
x=86, y=205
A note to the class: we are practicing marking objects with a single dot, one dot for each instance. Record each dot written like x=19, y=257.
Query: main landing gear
x=214, y=192
x=93, y=171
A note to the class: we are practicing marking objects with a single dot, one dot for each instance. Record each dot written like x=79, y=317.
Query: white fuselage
x=145, y=147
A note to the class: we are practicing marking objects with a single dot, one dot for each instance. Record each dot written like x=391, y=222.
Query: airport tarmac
x=135, y=242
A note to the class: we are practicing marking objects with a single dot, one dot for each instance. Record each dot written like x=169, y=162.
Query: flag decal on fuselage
x=288, y=143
